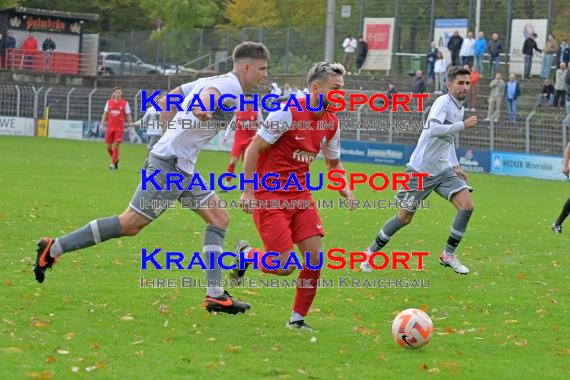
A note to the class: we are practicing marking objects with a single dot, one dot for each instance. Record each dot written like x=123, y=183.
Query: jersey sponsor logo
x=304, y=157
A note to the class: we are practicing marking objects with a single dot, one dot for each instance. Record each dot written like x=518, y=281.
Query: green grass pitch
x=509, y=318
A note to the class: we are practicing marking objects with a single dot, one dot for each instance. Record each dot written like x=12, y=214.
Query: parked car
x=109, y=63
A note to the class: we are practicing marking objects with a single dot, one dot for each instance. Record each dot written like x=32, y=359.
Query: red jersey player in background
x=248, y=122
x=286, y=150
x=116, y=109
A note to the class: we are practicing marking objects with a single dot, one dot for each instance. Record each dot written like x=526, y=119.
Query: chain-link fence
x=535, y=130
x=295, y=49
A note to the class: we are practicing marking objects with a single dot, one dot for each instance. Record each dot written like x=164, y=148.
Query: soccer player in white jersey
x=435, y=154
x=177, y=152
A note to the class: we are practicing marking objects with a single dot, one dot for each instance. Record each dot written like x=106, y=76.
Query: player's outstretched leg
x=48, y=249
x=464, y=204
x=557, y=226
x=217, y=300
x=225, y=304
x=400, y=220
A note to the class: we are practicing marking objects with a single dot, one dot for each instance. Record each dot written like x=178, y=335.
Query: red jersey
x=294, y=148
x=30, y=44
x=117, y=112
x=245, y=132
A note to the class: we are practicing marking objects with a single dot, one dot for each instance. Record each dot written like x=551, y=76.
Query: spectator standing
x=563, y=53
x=431, y=57
x=48, y=46
x=497, y=87
x=560, y=86
x=528, y=49
x=495, y=50
x=2, y=50
x=361, y=54
x=440, y=70
x=480, y=48
x=513, y=92
x=549, y=50
x=349, y=45
x=454, y=46
x=467, y=51
x=30, y=47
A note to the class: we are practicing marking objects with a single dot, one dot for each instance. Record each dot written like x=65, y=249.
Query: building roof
x=52, y=13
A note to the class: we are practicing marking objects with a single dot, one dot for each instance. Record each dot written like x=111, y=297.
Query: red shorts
x=239, y=147
x=114, y=135
x=281, y=229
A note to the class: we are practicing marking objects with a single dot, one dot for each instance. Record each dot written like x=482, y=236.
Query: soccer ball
x=412, y=328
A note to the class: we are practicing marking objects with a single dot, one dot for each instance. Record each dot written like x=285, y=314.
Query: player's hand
x=566, y=170
x=247, y=197
x=350, y=196
x=202, y=115
x=461, y=174
x=470, y=122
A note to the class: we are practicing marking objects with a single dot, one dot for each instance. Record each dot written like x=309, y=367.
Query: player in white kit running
x=177, y=152
x=435, y=155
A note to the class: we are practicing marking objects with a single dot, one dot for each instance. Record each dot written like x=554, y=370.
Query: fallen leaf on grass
x=453, y=367
x=302, y=371
x=434, y=370
x=232, y=348
x=512, y=321
x=127, y=318
x=50, y=359
x=521, y=343
x=521, y=276
x=40, y=375
x=8, y=282
x=69, y=335
x=62, y=352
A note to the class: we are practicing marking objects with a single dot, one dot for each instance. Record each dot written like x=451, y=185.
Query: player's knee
x=314, y=258
x=222, y=220
x=406, y=217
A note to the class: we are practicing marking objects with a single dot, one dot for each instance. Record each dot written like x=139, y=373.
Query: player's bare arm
x=168, y=115
x=257, y=146
x=206, y=100
x=103, y=118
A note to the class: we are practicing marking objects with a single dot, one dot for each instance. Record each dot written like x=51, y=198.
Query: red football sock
x=305, y=296
x=231, y=168
x=116, y=155
x=267, y=260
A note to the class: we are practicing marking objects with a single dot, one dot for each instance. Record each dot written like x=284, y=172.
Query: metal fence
x=295, y=49
x=540, y=131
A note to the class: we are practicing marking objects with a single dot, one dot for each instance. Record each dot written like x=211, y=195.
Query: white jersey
x=185, y=143
x=150, y=122
x=435, y=151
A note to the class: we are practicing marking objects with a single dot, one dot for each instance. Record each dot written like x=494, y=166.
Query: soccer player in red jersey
x=286, y=150
x=247, y=122
x=116, y=109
